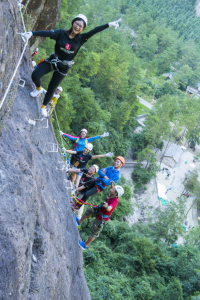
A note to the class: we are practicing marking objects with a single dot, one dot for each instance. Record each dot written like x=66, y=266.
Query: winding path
x=145, y=103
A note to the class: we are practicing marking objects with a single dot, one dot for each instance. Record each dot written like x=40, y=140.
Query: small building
x=169, y=76
x=192, y=91
x=172, y=155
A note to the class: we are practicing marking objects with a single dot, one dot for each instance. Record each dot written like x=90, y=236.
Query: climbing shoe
x=35, y=93
x=44, y=112
x=77, y=220
x=82, y=245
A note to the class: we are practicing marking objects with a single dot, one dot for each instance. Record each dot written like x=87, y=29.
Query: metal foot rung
x=43, y=120
x=23, y=83
x=54, y=147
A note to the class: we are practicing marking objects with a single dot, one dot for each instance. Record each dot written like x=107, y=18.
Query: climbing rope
x=15, y=71
x=66, y=141
x=67, y=162
x=20, y=6
x=80, y=202
x=25, y=39
x=58, y=126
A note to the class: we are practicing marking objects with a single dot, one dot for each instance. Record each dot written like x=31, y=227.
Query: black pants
x=56, y=79
x=91, y=192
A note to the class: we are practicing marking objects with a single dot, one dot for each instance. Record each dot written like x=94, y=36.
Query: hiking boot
x=35, y=93
x=82, y=245
x=77, y=220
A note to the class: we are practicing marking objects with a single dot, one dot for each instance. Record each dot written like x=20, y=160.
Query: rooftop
x=174, y=151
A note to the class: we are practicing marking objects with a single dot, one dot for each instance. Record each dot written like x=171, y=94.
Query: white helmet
x=96, y=167
x=89, y=146
x=84, y=130
x=120, y=190
x=60, y=88
x=36, y=49
x=33, y=63
x=84, y=18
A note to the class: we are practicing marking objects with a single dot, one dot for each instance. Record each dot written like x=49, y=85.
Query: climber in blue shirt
x=111, y=173
x=105, y=177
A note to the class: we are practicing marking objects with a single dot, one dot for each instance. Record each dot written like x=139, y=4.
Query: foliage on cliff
x=139, y=262
x=100, y=89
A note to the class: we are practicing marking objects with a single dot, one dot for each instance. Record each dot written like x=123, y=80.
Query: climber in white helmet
x=80, y=160
x=68, y=43
x=86, y=181
x=102, y=213
x=55, y=98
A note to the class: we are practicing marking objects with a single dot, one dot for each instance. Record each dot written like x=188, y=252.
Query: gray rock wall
x=10, y=50
x=39, y=253
x=42, y=15
x=35, y=211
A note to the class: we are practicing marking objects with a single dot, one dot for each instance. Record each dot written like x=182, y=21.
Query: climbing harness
x=40, y=61
x=96, y=208
x=78, y=203
x=56, y=60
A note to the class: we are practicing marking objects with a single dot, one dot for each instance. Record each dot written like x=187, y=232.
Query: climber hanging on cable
x=102, y=214
x=55, y=98
x=87, y=178
x=68, y=43
x=105, y=177
x=81, y=159
x=86, y=181
x=82, y=140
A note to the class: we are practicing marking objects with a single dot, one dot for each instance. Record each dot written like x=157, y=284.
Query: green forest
x=101, y=94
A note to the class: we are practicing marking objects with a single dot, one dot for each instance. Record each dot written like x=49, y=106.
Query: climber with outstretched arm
x=82, y=140
x=86, y=181
x=87, y=177
x=102, y=214
x=68, y=43
x=105, y=177
x=81, y=159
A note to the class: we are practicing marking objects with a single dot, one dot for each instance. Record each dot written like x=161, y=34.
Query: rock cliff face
x=9, y=51
x=42, y=14
x=39, y=253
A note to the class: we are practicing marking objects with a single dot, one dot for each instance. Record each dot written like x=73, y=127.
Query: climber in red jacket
x=102, y=214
